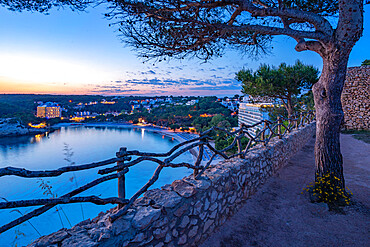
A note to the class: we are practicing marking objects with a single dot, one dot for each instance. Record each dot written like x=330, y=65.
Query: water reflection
x=88, y=144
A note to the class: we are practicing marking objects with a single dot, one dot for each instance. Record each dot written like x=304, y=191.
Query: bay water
x=73, y=146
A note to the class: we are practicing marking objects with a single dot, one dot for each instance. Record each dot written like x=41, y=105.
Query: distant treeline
x=23, y=107
x=203, y=114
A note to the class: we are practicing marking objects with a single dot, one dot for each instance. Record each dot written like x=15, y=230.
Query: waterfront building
x=49, y=110
x=169, y=100
x=231, y=104
x=105, y=102
x=192, y=102
x=252, y=113
x=82, y=114
x=135, y=107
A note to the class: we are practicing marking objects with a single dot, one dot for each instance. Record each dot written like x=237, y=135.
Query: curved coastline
x=154, y=129
x=26, y=131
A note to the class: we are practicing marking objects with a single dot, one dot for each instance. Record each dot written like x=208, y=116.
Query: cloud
x=114, y=91
x=187, y=81
x=172, y=80
x=149, y=72
x=215, y=88
x=154, y=81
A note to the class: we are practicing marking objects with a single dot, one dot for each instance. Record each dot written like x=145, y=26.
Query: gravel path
x=279, y=215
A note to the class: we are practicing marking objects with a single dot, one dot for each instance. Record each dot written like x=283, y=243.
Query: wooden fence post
x=280, y=121
x=239, y=143
x=297, y=121
x=121, y=179
x=303, y=118
x=263, y=132
x=199, y=158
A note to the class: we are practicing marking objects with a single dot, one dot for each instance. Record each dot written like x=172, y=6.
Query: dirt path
x=279, y=215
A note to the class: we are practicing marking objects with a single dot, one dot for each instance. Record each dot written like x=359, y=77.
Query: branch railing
x=124, y=160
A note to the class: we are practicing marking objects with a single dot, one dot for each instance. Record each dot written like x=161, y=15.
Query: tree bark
x=289, y=108
x=327, y=94
x=329, y=115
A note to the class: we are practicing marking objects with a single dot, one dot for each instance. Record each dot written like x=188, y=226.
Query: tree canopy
x=365, y=62
x=181, y=28
x=284, y=82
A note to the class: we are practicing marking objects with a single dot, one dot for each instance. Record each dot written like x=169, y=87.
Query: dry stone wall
x=187, y=211
x=356, y=98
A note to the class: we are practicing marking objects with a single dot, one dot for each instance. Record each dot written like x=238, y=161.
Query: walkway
x=279, y=215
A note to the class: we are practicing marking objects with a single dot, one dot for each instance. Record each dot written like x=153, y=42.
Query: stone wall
x=356, y=98
x=187, y=211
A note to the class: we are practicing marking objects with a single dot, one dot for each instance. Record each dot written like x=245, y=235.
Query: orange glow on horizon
x=9, y=86
x=14, y=86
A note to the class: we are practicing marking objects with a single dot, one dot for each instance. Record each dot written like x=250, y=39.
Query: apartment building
x=251, y=113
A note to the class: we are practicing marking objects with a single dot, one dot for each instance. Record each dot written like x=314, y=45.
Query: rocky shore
x=10, y=127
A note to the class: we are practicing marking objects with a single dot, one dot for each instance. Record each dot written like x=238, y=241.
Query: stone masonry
x=187, y=211
x=356, y=98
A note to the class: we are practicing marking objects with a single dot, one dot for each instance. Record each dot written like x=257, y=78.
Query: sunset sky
x=78, y=53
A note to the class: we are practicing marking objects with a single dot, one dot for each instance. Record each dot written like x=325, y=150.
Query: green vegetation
x=284, y=82
x=205, y=113
x=362, y=135
x=365, y=62
x=23, y=106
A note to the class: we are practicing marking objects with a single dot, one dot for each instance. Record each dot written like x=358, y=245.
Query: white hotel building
x=250, y=113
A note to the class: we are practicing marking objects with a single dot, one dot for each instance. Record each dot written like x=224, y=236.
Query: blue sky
x=78, y=53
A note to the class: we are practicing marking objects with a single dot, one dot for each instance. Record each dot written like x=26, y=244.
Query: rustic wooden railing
x=123, y=160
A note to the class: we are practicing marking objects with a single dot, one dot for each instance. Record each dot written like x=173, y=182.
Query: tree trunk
x=327, y=95
x=289, y=107
x=329, y=115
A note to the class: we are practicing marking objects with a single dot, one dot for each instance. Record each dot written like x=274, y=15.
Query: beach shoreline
x=172, y=134
x=179, y=136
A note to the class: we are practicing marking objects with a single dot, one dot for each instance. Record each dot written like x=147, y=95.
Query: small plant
x=47, y=188
x=68, y=154
x=327, y=188
x=18, y=234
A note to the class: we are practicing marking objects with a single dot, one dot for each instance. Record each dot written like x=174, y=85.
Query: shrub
x=327, y=188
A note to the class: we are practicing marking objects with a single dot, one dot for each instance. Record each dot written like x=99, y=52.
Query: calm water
x=88, y=144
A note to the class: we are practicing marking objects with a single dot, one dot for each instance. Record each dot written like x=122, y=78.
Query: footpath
x=279, y=215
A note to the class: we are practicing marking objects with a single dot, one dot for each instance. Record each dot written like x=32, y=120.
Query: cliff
x=11, y=127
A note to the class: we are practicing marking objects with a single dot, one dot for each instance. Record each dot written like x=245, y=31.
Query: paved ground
x=279, y=215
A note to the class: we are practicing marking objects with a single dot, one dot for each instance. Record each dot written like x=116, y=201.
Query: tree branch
x=237, y=12
x=320, y=23
x=62, y=200
x=272, y=31
x=21, y=172
x=311, y=45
